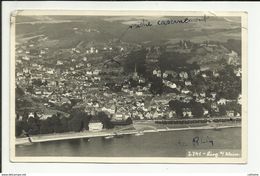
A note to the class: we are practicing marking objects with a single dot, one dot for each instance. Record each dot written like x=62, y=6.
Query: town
x=95, y=86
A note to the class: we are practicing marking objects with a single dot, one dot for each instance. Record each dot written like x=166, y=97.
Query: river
x=160, y=144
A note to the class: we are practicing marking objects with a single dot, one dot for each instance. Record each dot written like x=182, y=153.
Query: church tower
x=135, y=76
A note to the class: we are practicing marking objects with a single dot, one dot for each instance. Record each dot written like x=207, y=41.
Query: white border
x=242, y=159
x=254, y=28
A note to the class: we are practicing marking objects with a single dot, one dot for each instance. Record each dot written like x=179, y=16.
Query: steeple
x=135, y=76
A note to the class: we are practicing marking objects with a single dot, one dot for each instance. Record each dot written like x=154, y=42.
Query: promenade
x=138, y=127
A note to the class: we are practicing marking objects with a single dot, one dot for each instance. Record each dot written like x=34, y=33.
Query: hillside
x=69, y=31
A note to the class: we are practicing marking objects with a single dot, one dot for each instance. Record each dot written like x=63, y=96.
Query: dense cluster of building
x=90, y=76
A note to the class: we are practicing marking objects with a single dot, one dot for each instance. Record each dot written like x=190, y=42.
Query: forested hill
x=69, y=31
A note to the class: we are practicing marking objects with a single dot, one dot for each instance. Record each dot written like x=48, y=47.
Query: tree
x=233, y=44
x=64, y=124
x=34, y=125
x=222, y=110
x=37, y=82
x=79, y=121
x=19, y=127
x=30, y=89
x=177, y=106
x=103, y=117
x=173, y=61
x=133, y=83
x=136, y=59
x=19, y=92
x=197, y=109
x=55, y=124
x=156, y=86
x=46, y=126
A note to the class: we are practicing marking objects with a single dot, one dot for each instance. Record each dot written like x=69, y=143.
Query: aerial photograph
x=128, y=86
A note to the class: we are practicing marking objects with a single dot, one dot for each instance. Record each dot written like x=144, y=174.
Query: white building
x=222, y=101
x=95, y=126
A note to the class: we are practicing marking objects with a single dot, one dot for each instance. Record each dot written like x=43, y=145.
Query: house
x=118, y=116
x=38, y=92
x=183, y=74
x=157, y=73
x=26, y=70
x=110, y=110
x=125, y=89
x=186, y=112
x=215, y=74
x=155, y=115
x=148, y=115
x=89, y=73
x=64, y=100
x=19, y=74
x=97, y=78
x=233, y=58
x=85, y=59
x=96, y=72
x=204, y=75
x=95, y=105
x=213, y=94
x=160, y=114
x=185, y=91
x=222, y=101
x=79, y=65
x=205, y=112
x=203, y=94
x=139, y=93
x=92, y=50
x=95, y=125
x=45, y=116
x=31, y=115
x=50, y=71
x=195, y=72
x=238, y=72
x=18, y=61
x=214, y=107
x=141, y=80
x=171, y=85
x=20, y=118
x=42, y=52
x=230, y=113
x=20, y=51
x=188, y=83
x=59, y=62
x=239, y=99
x=165, y=75
x=201, y=100
x=46, y=93
x=172, y=114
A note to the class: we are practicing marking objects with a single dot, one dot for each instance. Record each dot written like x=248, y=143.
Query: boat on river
x=140, y=133
x=109, y=137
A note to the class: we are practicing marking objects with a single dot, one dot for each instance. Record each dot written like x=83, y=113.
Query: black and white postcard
x=128, y=86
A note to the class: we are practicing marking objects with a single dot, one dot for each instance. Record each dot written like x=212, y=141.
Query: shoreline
x=105, y=133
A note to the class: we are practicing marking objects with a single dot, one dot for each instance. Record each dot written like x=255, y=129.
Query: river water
x=160, y=144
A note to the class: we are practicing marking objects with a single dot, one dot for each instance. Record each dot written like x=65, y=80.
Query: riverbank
x=137, y=128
